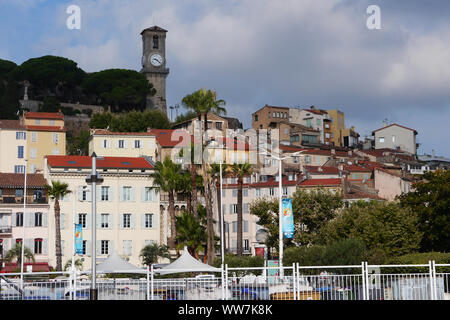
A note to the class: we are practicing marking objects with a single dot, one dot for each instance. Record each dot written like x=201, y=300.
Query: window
x=278, y=114
x=105, y=193
x=245, y=193
x=20, y=152
x=155, y=42
x=286, y=131
x=34, y=137
x=245, y=225
x=55, y=138
x=0, y=192
x=246, y=245
x=84, y=193
x=234, y=226
x=235, y=192
x=327, y=126
x=104, y=247
x=37, y=121
x=219, y=125
x=19, y=219
x=308, y=123
x=127, y=220
x=137, y=144
x=393, y=138
x=234, y=208
x=257, y=192
x=274, y=115
x=149, y=220
x=82, y=219
x=121, y=144
x=307, y=159
x=19, y=192
x=38, y=246
x=272, y=191
x=256, y=118
x=105, y=220
x=84, y=246
x=33, y=153
x=381, y=139
x=21, y=135
x=327, y=135
x=52, y=122
x=105, y=143
x=38, y=219
x=127, y=247
x=319, y=122
x=285, y=191
x=147, y=194
x=126, y=193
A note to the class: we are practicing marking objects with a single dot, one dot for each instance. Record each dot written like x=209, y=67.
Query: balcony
x=19, y=200
x=5, y=230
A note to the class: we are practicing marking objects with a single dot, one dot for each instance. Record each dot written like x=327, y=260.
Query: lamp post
x=23, y=225
x=280, y=204
x=93, y=179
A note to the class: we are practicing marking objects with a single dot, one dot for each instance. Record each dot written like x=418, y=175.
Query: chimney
x=385, y=123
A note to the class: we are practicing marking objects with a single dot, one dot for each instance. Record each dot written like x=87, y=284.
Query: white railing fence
x=351, y=282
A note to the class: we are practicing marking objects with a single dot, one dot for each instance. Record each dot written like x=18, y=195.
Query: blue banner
x=288, y=219
x=79, y=239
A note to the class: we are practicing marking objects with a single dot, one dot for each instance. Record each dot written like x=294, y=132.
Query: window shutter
x=88, y=248
x=110, y=246
x=62, y=221
x=223, y=209
x=62, y=247
x=99, y=193
x=133, y=221
x=45, y=246
x=80, y=193
x=143, y=221
x=5, y=245
x=111, y=194
x=110, y=221
x=89, y=194
x=121, y=194
x=98, y=247
x=245, y=226
x=88, y=221
x=155, y=221
x=133, y=194
x=142, y=194
x=231, y=208
x=245, y=207
x=99, y=220
x=45, y=219
x=121, y=221
x=156, y=193
x=125, y=144
x=29, y=244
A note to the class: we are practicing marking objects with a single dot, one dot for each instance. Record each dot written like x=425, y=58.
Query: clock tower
x=154, y=65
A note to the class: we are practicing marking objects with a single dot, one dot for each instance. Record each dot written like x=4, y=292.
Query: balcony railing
x=19, y=200
x=5, y=229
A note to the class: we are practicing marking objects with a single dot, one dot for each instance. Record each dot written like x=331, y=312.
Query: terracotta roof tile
x=11, y=124
x=17, y=180
x=44, y=115
x=395, y=124
x=46, y=128
x=320, y=182
x=104, y=163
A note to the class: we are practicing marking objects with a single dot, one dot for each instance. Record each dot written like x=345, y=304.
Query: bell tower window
x=155, y=42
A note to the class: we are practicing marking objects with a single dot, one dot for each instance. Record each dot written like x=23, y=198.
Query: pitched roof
x=273, y=183
x=320, y=182
x=46, y=128
x=105, y=132
x=103, y=163
x=154, y=28
x=355, y=168
x=322, y=170
x=164, y=137
x=11, y=124
x=44, y=115
x=14, y=180
x=395, y=124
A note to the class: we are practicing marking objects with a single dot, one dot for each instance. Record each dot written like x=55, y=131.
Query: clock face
x=156, y=59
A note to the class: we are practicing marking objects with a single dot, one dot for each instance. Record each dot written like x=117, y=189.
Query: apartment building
x=15, y=222
x=13, y=144
x=395, y=136
x=128, y=211
x=122, y=144
x=46, y=136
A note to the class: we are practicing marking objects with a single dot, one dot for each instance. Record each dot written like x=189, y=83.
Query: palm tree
x=15, y=253
x=150, y=253
x=55, y=192
x=240, y=171
x=167, y=177
x=78, y=264
x=203, y=101
x=191, y=233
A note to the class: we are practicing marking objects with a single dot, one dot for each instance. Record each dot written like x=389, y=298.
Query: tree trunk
x=239, y=218
x=58, y=236
x=209, y=214
x=173, y=232
x=194, y=202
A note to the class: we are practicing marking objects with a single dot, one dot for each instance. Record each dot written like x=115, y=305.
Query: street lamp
x=93, y=179
x=221, y=215
x=280, y=205
x=23, y=225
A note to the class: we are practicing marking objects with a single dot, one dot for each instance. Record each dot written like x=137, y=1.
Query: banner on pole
x=79, y=239
x=288, y=219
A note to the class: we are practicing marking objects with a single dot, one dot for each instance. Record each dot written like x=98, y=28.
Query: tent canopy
x=187, y=263
x=114, y=263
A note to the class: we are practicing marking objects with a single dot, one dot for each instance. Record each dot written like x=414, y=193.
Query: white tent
x=114, y=263
x=186, y=263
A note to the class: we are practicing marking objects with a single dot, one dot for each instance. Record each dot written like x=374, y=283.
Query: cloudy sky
x=255, y=52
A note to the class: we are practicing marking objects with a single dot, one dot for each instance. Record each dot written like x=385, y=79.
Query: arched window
x=155, y=42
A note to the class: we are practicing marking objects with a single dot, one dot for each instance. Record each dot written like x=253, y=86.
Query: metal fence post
x=226, y=282
x=148, y=282
x=367, y=281
x=430, y=270
x=363, y=281
x=152, y=282
x=75, y=284
x=298, y=280
x=435, y=280
x=294, y=281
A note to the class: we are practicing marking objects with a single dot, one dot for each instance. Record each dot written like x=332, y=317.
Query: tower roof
x=154, y=28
